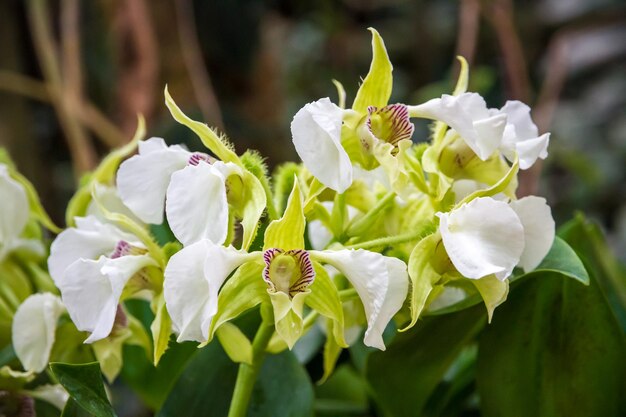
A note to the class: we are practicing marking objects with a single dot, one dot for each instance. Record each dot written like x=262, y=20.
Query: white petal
x=142, y=180
x=89, y=240
x=14, y=209
x=536, y=217
x=33, y=329
x=193, y=278
x=469, y=116
x=197, y=207
x=52, y=394
x=382, y=284
x=110, y=200
x=482, y=237
x=316, y=132
x=91, y=291
x=518, y=114
x=530, y=150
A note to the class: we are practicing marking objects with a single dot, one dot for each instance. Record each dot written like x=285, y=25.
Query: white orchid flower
x=521, y=136
x=190, y=187
x=33, y=329
x=486, y=236
x=316, y=134
x=91, y=264
x=194, y=276
x=470, y=117
x=14, y=212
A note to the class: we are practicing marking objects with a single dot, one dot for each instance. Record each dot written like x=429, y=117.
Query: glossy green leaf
x=283, y=387
x=84, y=384
x=404, y=377
x=553, y=349
x=376, y=87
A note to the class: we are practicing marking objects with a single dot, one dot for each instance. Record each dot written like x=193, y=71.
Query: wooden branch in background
x=86, y=112
x=81, y=149
x=469, y=24
x=139, y=64
x=196, y=68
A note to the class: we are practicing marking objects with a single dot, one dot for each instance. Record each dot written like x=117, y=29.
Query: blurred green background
x=73, y=75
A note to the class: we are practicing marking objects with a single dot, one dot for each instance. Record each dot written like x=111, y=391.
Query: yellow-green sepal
x=103, y=174
x=243, y=291
x=236, y=345
x=324, y=298
x=288, y=232
x=216, y=144
x=377, y=85
x=493, y=292
x=253, y=205
x=288, y=315
x=161, y=328
x=422, y=274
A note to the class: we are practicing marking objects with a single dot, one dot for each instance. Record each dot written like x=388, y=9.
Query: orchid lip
x=123, y=248
x=279, y=272
x=198, y=157
x=390, y=124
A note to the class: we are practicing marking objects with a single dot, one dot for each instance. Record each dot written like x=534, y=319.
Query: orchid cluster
x=373, y=230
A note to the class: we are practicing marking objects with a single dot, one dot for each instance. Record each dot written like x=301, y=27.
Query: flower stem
x=248, y=373
x=419, y=233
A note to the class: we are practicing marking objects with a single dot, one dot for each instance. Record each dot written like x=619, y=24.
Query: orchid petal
x=521, y=135
x=193, y=278
x=91, y=291
x=108, y=198
x=382, y=284
x=34, y=326
x=14, y=210
x=482, y=237
x=142, y=180
x=197, y=207
x=89, y=240
x=316, y=131
x=536, y=217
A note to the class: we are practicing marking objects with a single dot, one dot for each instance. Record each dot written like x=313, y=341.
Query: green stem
x=248, y=373
x=392, y=240
x=361, y=225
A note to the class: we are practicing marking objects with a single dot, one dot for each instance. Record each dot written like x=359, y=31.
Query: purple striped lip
x=392, y=123
x=303, y=261
x=123, y=248
x=198, y=157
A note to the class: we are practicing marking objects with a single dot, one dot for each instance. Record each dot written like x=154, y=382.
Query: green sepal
x=422, y=274
x=236, y=345
x=288, y=315
x=493, y=292
x=332, y=350
x=104, y=174
x=341, y=94
x=219, y=146
x=324, y=298
x=499, y=187
x=377, y=85
x=12, y=380
x=15, y=286
x=161, y=328
x=288, y=232
x=243, y=291
x=108, y=353
x=36, y=208
x=283, y=177
x=254, y=203
x=463, y=80
x=392, y=159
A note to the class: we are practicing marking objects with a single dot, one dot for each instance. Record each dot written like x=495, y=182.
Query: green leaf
x=288, y=232
x=563, y=260
x=206, y=387
x=236, y=345
x=588, y=240
x=84, y=384
x=404, y=377
x=376, y=87
x=219, y=146
x=553, y=349
x=72, y=409
x=153, y=384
